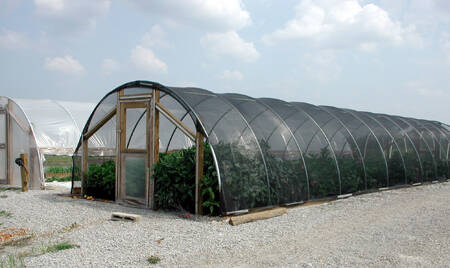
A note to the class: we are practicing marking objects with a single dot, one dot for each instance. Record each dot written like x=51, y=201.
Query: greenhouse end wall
x=271, y=152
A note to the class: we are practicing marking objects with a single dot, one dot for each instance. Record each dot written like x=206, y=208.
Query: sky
x=386, y=56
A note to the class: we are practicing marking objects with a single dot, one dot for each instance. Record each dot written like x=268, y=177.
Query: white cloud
x=109, y=66
x=229, y=44
x=156, y=37
x=322, y=66
x=427, y=92
x=144, y=58
x=68, y=16
x=231, y=75
x=445, y=46
x=186, y=84
x=66, y=64
x=13, y=40
x=217, y=15
x=343, y=24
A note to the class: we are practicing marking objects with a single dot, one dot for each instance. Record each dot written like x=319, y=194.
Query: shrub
x=175, y=181
x=100, y=181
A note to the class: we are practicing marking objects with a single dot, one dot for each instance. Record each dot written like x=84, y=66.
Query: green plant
x=175, y=181
x=4, y=213
x=58, y=247
x=12, y=261
x=100, y=180
x=9, y=188
x=153, y=259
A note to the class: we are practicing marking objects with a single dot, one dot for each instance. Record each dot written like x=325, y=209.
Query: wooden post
x=198, y=173
x=9, y=145
x=24, y=172
x=156, y=129
x=153, y=148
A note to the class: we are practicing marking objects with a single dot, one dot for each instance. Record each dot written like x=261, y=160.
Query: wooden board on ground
x=117, y=216
x=236, y=220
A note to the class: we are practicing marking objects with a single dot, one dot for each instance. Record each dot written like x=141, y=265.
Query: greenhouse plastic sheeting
x=272, y=152
x=39, y=127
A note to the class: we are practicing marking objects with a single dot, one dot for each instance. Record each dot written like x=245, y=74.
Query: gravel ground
x=404, y=227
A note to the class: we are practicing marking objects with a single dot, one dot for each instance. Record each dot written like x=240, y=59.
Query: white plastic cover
x=57, y=125
x=41, y=127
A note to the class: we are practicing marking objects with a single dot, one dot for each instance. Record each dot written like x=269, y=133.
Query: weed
x=4, y=213
x=9, y=188
x=60, y=246
x=3, y=196
x=12, y=261
x=153, y=259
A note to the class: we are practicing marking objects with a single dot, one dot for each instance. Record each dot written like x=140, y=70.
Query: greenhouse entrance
x=133, y=125
x=134, y=178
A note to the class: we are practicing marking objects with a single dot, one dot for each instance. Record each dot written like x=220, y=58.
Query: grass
x=9, y=188
x=3, y=196
x=68, y=178
x=4, y=213
x=59, y=247
x=153, y=259
x=12, y=261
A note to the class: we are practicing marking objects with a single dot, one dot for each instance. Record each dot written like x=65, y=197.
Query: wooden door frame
x=122, y=106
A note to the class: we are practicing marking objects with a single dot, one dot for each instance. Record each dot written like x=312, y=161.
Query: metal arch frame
x=393, y=140
x=297, y=107
x=156, y=86
x=432, y=133
x=181, y=119
x=261, y=101
x=446, y=150
x=222, y=97
x=247, y=98
x=299, y=126
x=354, y=114
x=354, y=140
x=428, y=125
x=426, y=144
x=410, y=140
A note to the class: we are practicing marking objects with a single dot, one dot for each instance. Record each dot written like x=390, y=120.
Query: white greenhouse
x=37, y=128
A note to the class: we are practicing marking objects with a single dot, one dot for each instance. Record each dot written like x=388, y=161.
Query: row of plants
x=251, y=179
x=174, y=176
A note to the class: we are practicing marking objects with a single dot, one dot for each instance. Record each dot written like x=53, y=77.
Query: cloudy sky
x=390, y=56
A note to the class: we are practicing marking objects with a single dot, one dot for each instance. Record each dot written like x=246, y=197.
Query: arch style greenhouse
x=266, y=151
x=37, y=128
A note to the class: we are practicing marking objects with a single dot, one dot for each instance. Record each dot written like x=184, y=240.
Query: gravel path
x=404, y=227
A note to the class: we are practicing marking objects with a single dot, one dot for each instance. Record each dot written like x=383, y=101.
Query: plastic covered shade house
x=267, y=151
x=36, y=128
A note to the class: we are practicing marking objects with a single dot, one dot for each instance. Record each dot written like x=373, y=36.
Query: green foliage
x=12, y=261
x=58, y=170
x=100, y=181
x=4, y=213
x=175, y=181
x=67, y=178
x=323, y=177
x=244, y=175
x=153, y=259
x=59, y=247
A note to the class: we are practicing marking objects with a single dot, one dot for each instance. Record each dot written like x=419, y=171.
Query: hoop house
x=37, y=128
x=266, y=151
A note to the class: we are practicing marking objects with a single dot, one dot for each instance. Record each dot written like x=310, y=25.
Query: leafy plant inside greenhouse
x=100, y=180
x=175, y=181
